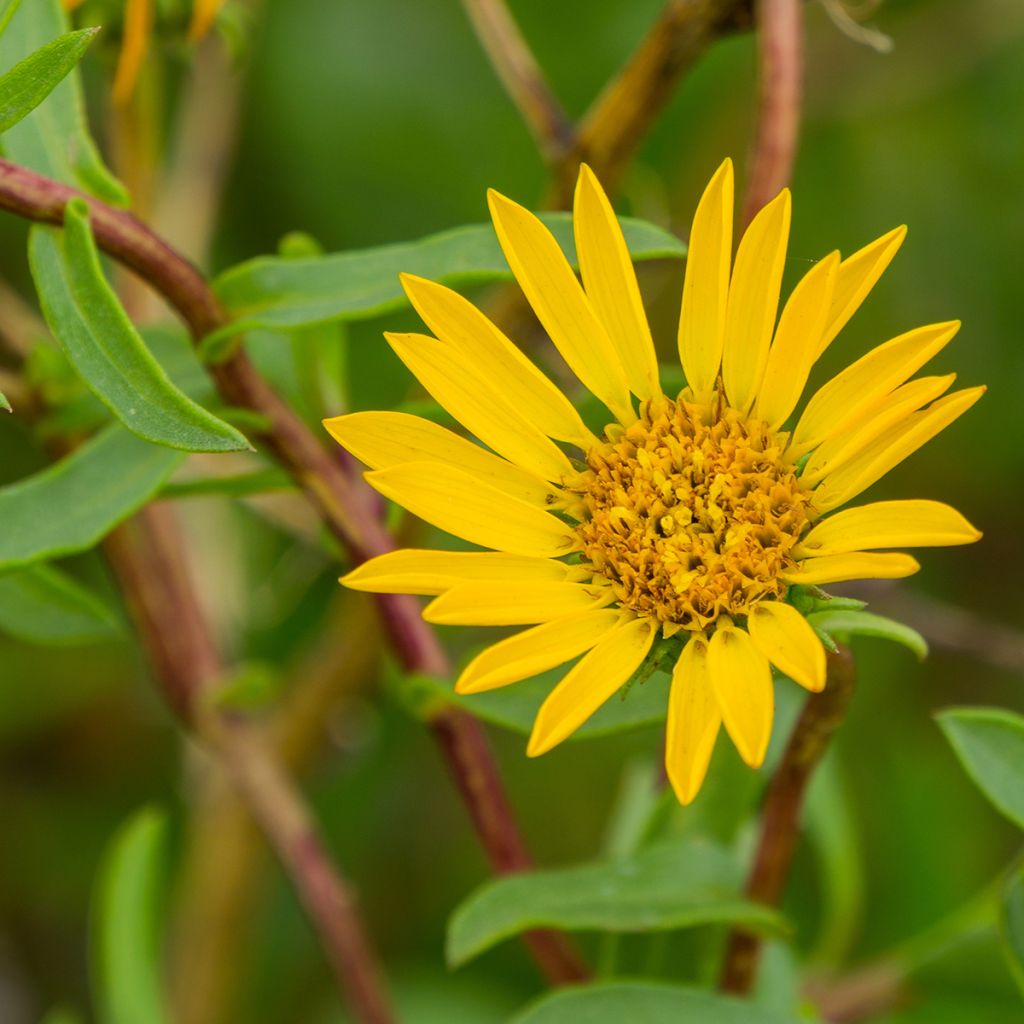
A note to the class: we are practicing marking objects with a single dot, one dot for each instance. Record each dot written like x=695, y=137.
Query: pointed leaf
x=852, y=622
x=287, y=292
x=86, y=317
x=669, y=886
x=31, y=80
x=4, y=404
x=54, y=138
x=644, y=1002
x=990, y=745
x=125, y=954
x=83, y=497
x=43, y=605
x=1011, y=922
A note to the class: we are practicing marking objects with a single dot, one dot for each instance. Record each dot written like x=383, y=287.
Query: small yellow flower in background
x=689, y=517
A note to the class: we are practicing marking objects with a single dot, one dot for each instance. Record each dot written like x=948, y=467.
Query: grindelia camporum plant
x=691, y=522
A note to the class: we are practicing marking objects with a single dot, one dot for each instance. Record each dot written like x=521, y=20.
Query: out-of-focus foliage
x=376, y=123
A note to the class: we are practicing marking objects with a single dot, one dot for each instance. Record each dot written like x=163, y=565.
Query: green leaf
x=31, y=80
x=72, y=505
x=515, y=707
x=4, y=404
x=668, y=886
x=54, y=139
x=990, y=745
x=125, y=946
x=7, y=9
x=1011, y=925
x=644, y=1002
x=239, y=485
x=86, y=317
x=846, y=623
x=284, y=293
x=43, y=605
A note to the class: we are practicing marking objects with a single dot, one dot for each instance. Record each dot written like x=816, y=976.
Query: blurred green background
x=364, y=123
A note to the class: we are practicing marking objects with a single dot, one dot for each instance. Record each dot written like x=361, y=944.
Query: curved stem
x=780, y=820
x=345, y=504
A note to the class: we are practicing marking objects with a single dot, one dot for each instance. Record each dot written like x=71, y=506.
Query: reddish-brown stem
x=474, y=773
x=344, y=503
x=146, y=557
x=780, y=49
x=780, y=819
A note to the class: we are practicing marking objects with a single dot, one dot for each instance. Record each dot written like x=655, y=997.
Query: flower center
x=690, y=513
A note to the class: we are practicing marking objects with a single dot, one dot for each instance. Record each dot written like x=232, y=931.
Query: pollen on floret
x=690, y=513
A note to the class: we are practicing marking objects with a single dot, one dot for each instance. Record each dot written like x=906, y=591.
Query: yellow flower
x=689, y=517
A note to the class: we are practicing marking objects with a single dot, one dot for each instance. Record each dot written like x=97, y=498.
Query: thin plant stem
x=345, y=504
x=622, y=115
x=780, y=53
x=780, y=819
x=146, y=557
x=519, y=72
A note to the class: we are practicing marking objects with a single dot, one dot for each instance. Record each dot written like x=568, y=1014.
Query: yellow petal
x=536, y=650
x=796, y=343
x=610, y=283
x=754, y=301
x=478, y=404
x=513, y=604
x=789, y=642
x=891, y=449
x=742, y=681
x=693, y=721
x=706, y=287
x=853, y=394
x=557, y=298
x=382, y=439
x=454, y=501
x=138, y=27
x=856, y=566
x=858, y=274
x=894, y=409
x=888, y=524
x=414, y=571
x=455, y=320
x=589, y=683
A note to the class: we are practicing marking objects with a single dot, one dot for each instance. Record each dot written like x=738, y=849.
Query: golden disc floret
x=690, y=513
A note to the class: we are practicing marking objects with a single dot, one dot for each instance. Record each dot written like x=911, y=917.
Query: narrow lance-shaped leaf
x=649, y=1002
x=54, y=138
x=5, y=406
x=43, y=605
x=72, y=505
x=31, y=80
x=990, y=745
x=669, y=886
x=125, y=957
x=844, y=622
x=286, y=293
x=86, y=317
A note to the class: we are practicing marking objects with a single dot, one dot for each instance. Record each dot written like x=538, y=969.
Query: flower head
x=689, y=520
